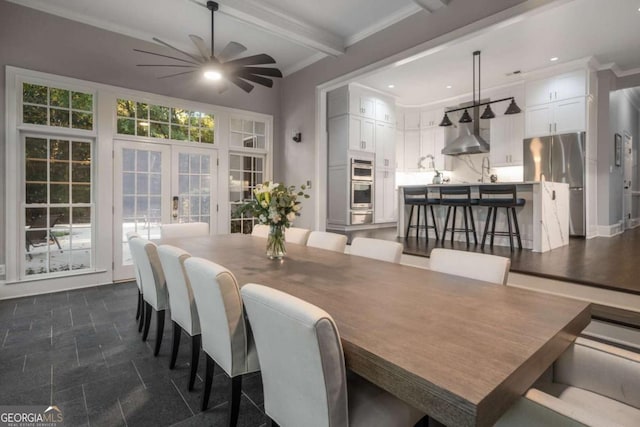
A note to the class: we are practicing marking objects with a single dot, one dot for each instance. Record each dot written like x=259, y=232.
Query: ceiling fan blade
x=247, y=87
x=166, y=56
x=256, y=79
x=230, y=51
x=177, y=50
x=202, y=47
x=261, y=58
x=264, y=71
x=177, y=74
x=223, y=88
x=167, y=65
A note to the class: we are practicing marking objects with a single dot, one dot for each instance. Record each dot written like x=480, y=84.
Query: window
x=194, y=192
x=246, y=171
x=247, y=134
x=157, y=121
x=50, y=106
x=58, y=204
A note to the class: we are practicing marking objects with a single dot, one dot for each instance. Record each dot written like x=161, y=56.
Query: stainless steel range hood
x=469, y=141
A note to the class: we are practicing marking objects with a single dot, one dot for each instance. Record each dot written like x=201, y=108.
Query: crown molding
x=303, y=63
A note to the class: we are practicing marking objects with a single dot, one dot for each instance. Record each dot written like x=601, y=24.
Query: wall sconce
x=297, y=136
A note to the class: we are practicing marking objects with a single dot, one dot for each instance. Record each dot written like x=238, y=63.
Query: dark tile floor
x=81, y=350
x=604, y=262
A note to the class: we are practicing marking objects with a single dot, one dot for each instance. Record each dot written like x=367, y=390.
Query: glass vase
x=275, y=242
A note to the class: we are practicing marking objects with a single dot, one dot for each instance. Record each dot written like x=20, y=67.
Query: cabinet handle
x=555, y=127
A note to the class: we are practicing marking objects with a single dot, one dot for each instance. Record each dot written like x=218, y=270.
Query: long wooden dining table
x=461, y=350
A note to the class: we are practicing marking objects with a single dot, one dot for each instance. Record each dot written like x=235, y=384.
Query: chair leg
x=486, y=226
x=433, y=218
x=426, y=222
x=208, y=380
x=138, y=310
x=446, y=224
x=196, y=340
x=159, y=330
x=466, y=225
x=418, y=223
x=453, y=224
x=406, y=235
x=473, y=226
x=175, y=344
x=510, y=230
x=515, y=222
x=493, y=226
x=147, y=320
x=235, y=390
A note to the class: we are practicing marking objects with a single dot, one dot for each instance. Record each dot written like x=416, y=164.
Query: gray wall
x=42, y=42
x=297, y=161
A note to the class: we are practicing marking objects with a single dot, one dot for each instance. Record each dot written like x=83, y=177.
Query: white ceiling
x=296, y=33
x=608, y=30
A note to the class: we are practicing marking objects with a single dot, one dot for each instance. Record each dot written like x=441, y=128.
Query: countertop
x=472, y=184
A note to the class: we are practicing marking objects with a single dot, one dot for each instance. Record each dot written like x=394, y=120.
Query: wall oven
x=361, y=170
x=361, y=194
x=361, y=191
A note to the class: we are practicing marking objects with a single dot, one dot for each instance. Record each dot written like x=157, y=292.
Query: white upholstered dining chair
x=188, y=229
x=154, y=290
x=329, y=241
x=382, y=250
x=184, y=313
x=303, y=370
x=226, y=336
x=296, y=235
x=260, y=230
x=489, y=268
x=591, y=384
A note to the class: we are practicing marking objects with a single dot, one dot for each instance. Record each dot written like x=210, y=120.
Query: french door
x=158, y=184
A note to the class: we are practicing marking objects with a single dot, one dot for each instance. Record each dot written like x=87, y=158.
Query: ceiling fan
x=223, y=67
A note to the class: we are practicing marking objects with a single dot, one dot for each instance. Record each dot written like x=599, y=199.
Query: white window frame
x=103, y=134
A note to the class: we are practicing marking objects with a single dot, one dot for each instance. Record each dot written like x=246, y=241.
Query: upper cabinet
x=412, y=119
x=556, y=105
x=431, y=118
x=359, y=101
x=558, y=88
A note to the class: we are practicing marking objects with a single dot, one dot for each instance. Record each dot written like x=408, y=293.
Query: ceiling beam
x=279, y=23
x=432, y=5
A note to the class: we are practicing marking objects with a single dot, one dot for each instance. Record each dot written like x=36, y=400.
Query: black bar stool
x=500, y=196
x=454, y=197
x=418, y=196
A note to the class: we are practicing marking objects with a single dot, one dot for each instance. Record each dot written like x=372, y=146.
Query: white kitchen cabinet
x=431, y=143
x=558, y=88
x=411, y=150
x=361, y=103
x=411, y=119
x=384, y=196
x=507, y=133
x=385, y=142
x=399, y=149
x=361, y=134
x=385, y=111
x=431, y=118
x=556, y=118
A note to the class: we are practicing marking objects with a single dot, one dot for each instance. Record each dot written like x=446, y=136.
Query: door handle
x=174, y=207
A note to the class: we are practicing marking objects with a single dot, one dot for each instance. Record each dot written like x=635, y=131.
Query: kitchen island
x=543, y=220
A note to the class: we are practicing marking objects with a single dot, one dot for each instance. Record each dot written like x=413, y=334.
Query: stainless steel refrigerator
x=560, y=158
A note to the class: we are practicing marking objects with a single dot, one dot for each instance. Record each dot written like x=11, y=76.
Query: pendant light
x=476, y=104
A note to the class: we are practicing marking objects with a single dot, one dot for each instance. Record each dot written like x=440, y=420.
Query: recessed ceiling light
x=449, y=86
x=554, y=59
x=391, y=86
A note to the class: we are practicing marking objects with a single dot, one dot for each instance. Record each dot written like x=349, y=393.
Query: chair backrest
x=498, y=190
x=145, y=255
x=490, y=268
x=225, y=336
x=415, y=194
x=329, y=241
x=40, y=236
x=457, y=192
x=260, y=230
x=181, y=301
x=295, y=235
x=189, y=229
x=301, y=359
x=383, y=250
x=133, y=235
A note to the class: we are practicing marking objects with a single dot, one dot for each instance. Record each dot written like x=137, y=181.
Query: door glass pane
x=246, y=171
x=194, y=198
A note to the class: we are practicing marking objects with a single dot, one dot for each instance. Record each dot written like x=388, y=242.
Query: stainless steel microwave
x=361, y=170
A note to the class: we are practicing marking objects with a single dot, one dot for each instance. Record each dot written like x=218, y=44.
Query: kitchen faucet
x=487, y=167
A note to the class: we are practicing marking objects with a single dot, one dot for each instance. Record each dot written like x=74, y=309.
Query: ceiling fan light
x=212, y=74
x=466, y=118
x=513, y=108
x=445, y=121
x=488, y=113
